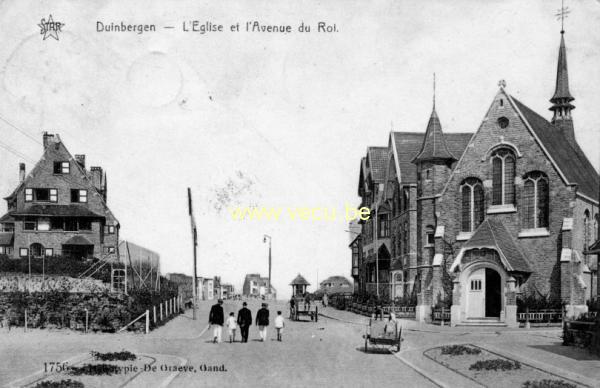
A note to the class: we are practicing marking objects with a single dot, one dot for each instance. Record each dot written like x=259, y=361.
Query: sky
x=269, y=119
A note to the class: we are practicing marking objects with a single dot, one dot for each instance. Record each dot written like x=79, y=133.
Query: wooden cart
x=391, y=338
x=301, y=309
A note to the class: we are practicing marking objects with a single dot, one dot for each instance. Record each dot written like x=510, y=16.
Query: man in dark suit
x=262, y=321
x=216, y=318
x=244, y=321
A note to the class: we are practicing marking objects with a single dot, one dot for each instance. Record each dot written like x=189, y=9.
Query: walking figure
x=279, y=325
x=232, y=326
x=216, y=319
x=262, y=321
x=244, y=320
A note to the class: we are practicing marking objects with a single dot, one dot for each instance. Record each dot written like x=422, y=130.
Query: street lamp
x=265, y=237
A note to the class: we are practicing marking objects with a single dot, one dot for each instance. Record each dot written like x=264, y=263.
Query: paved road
x=325, y=353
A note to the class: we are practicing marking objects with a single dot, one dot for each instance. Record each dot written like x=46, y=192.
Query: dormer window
x=41, y=195
x=61, y=167
x=78, y=196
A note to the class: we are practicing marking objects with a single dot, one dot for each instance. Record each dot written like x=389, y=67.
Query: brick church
x=476, y=219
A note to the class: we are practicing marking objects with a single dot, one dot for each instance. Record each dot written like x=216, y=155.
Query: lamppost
x=265, y=237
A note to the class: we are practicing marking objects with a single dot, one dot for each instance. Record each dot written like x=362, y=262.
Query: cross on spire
x=562, y=13
x=433, y=90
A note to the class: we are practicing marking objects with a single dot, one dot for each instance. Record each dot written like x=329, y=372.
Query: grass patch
x=95, y=369
x=123, y=355
x=546, y=383
x=459, y=350
x=495, y=364
x=60, y=384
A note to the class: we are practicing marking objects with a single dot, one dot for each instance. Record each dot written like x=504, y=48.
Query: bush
x=459, y=350
x=531, y=301
x=114, y=356
x=546, y=383
x=495, y=364
x=60, y=384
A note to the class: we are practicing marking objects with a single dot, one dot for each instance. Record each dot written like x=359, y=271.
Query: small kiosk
x=301, y=305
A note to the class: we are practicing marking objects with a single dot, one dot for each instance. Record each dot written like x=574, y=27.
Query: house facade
x=257, y=286
x=59, y=209
x=475, y=219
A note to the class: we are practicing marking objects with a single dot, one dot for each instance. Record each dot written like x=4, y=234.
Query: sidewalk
x=539, y=347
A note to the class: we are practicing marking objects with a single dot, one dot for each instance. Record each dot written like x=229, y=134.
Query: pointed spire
x=434, y=145
x=562, y=76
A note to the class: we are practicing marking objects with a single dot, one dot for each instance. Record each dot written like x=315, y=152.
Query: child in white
x=279, y=324
x=232, y=326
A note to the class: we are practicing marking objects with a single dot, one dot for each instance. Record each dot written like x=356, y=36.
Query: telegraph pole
x=266, y=236
x=195, y=244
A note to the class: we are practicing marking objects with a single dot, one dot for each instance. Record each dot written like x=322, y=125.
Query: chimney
x=97, y=177
x=21, y=172
x=81, y=160
x=47, y=139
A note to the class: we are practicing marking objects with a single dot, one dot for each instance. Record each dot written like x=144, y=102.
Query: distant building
x=335, y=285
x=227, y=291
x=256, y=286
x=206, y=288
x=184, y=283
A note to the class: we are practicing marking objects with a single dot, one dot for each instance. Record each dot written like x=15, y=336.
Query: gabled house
x=59, y=209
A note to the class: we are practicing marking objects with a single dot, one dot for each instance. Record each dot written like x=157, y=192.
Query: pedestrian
x=231, y=326
x=325, y=300
x=279, y=325
x=292, y=307
x=216, y=320
x=307, y=302
x=262, y=321
x=244, y=320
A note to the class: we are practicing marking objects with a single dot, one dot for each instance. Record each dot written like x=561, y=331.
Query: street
x=329, y=352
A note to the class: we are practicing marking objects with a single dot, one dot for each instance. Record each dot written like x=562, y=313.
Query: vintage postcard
x=298, y=193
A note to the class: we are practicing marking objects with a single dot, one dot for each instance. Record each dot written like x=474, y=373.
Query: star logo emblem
x=50, y=28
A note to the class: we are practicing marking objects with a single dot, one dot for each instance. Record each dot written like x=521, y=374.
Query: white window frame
x=536, y=197
x=49, y=252
x=83, y=198
x=28, y=195
x=23, y=252
x=65, y=168
x=53, y=195
x=110, y=229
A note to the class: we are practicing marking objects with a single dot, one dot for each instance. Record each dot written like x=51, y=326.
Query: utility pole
x=376, y=251
x=266, y=236
x=195, y=244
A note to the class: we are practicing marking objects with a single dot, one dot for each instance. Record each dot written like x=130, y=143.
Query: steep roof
x=434, y=145
x=299, y=281
x=408, y=145
x=570, y=158
x=378, y=158
x=492, y=233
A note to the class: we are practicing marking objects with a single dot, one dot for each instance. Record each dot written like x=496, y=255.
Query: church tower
x=434, y=165
x=561, y=100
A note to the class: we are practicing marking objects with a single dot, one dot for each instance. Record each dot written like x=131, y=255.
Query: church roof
x=570, y=158
x=299, y=281
x=377, y=158
x=434, y=145
x=408, y=145
x=562, y=76
x=493, y=234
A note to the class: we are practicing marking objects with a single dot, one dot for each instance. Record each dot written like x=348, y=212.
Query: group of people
x=216, y=319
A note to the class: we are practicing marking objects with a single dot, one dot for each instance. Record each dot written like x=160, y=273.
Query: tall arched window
x=472, y=212
x=503, y=177
x=405, y=199
x=536, y=201
x=586, y=230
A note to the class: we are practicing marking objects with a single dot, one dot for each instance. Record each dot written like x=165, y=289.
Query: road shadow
x=373, y=350
x=571, y=352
